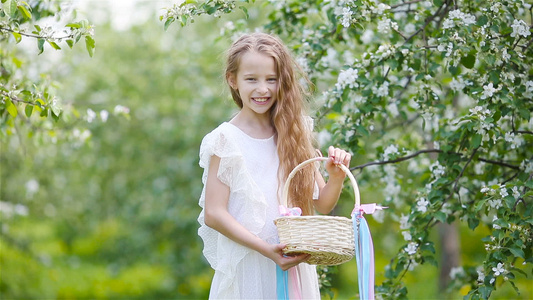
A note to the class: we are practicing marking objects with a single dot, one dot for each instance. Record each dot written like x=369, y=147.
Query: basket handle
x=284, y=195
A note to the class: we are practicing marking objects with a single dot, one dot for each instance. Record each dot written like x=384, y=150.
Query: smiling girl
x=246, y=161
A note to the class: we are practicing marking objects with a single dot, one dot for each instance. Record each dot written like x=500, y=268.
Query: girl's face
x=256, y=82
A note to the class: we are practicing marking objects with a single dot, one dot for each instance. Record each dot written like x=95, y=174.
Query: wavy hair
x=293, y=131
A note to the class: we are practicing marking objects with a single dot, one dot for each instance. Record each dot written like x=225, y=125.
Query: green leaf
x=73, y=25
x=529, y=184
x=485, y=291
x=524, y=113
x=476, y=140
x=440, y=216
x=28, y=110
x=168, y=22
x=362, y=130
x=482, y=20
x=25, y=12
x=473, y=223
x=11, y=108
x=453, y=70
x=54, y=45
x=468, y=61
x=89, y=44
x=245, y=10
x=70, y=43
x=517, y=252
x=17, y=36
x=11, y=8
x=40, y=45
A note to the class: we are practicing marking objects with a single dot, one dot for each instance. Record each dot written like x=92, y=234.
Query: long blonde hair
x=293, y=135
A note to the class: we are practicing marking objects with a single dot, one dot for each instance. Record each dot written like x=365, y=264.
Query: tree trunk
x=450, y=252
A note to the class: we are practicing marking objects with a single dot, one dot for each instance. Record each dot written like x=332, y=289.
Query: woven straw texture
x=328, y=239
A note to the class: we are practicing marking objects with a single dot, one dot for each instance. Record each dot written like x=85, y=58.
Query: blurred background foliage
x=112, y=214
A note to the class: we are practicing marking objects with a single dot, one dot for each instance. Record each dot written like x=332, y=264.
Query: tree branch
x=403, y=158
x=405, y=3
x=523, y=131
x=17, y=99
x=35, y=35
x=428, y=20
x=499, y=163
x=395, y=160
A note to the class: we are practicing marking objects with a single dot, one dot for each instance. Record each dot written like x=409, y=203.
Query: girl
x=246, y=160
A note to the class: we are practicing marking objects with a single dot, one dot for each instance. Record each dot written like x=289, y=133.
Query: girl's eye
x=250, y=79
x=273, y=80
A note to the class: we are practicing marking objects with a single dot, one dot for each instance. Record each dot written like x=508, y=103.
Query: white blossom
x=495, y=203
x=346, y=17
x=91, y=115
x=407, y=235
x=458, y=84
x=393, y=109
x=494, y=225
x=456, y=271
x=456, y=17
x=404, y=222
x=503, y=191
x=119, y=109
x=302, y=62
x=367, y=36
x=386, y=25
x=480, y=274
x=104, y=114
x=411, y=248
x=390, y=150
x=347, y=78
x=380, y=8
x=410, y=28
x=527, y=166
x=529, y=89
x=488, y=91
x=516, y=193
x=383, y=89
x=421, y=205
x=520, y=28
x=515, y=141
x=32, y=187
x=437, y=169
x=498, y=270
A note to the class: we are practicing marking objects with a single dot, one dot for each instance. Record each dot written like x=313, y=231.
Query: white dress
x=249, y=167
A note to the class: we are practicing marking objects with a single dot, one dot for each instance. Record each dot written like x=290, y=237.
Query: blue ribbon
x=364, y=255
x=282, y=284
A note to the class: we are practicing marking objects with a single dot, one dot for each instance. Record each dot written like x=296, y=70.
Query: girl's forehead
x=253, y=61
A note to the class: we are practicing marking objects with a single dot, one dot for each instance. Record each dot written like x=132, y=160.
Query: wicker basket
x=328, y=239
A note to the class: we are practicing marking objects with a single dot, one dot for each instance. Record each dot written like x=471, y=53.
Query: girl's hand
x=336, y=157
x=285, y=262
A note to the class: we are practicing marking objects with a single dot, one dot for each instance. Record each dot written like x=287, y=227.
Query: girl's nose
x=262, y=88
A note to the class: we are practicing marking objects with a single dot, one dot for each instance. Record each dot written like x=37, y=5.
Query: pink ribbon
x=293, y=211
x=367, y=208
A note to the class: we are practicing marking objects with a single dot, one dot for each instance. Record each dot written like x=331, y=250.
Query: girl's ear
x=231, y=80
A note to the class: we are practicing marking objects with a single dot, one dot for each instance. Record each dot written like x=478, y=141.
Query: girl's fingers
x=339, y=156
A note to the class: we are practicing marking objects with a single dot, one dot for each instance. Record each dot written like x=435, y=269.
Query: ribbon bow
x=364, y=249
x=293, y=211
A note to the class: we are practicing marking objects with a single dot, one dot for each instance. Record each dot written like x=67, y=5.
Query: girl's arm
x=330, y=192
x=218, y=218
